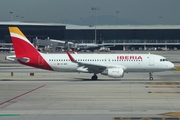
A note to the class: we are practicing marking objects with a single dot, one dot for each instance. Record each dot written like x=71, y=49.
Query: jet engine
x=114, y=72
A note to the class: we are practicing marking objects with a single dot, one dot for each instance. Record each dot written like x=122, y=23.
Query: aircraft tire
x=151, y=78
x=94, y=77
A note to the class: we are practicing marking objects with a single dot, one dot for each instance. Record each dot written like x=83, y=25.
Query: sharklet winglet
x=70, y=57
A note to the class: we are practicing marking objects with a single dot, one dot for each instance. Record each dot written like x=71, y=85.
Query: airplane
x=111, y=65
x=67, y=45
x=93, y=46
x=84, y=46
x=49, y=43
x=88, y=46
x=78, y=46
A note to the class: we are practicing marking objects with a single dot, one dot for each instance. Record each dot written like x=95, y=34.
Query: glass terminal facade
x=33, y=31
x=126, y=36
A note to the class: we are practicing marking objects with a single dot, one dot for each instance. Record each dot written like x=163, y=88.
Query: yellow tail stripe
x=16, y=30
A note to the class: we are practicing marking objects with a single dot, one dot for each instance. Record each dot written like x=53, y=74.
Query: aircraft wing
x=60, y=41
x=97, y=68
x=107, y=45
x=92, y=68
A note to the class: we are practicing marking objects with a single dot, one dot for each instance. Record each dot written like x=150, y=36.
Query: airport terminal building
x=125, y=37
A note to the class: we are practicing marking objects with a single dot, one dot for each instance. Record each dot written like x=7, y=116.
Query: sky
x=145, y=12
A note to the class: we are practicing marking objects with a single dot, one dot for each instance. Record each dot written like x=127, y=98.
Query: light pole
x=95, y=19
x=11, y=14
x=81, y=30
x=117, y=12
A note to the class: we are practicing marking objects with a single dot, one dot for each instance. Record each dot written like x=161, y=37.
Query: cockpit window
x=162, y=60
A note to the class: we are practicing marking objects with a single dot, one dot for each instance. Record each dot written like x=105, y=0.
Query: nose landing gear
x=150, y=76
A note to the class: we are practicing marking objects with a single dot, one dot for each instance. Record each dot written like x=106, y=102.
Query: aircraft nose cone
x=171, y=65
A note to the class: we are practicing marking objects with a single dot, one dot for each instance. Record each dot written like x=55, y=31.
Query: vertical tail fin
x=25, y=52
x=21, y=44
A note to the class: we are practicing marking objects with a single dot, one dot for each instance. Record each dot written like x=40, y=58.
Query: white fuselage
x=131, y=62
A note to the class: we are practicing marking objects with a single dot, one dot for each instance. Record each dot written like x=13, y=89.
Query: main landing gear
x=94, y=77
x=150, y=76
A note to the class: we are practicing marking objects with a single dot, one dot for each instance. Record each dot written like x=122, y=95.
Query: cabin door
x=151, y=60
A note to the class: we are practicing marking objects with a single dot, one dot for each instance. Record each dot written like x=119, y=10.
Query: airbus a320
x=112, y=65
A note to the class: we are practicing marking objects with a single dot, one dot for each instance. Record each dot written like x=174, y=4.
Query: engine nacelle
x=114, y=72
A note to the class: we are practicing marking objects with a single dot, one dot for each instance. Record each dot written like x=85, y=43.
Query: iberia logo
x=129, y=57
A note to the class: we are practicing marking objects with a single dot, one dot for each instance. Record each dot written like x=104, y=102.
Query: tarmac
x=27, y=93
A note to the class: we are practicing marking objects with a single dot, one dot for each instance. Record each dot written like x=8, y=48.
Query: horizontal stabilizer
x=13, y=58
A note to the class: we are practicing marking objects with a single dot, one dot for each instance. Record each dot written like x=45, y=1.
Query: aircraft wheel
x=94, y=77
x=151, y=78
